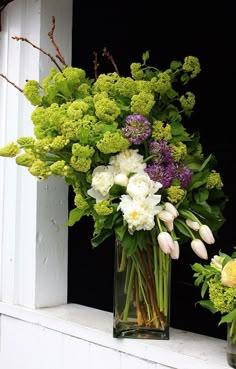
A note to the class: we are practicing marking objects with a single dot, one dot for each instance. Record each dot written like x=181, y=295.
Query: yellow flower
x=228, y=274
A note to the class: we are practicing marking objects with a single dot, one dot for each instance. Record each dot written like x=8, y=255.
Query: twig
x=110, y=57
x=50, y=34
x=38, y=48
x=96, y=64
x=12, y=83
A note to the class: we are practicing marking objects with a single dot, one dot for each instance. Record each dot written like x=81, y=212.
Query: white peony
x=102, y=181
x=127, y=161
x=139, y=214
x=140, y=185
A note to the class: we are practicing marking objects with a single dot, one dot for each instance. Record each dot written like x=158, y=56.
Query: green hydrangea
x=187, y=101
x=223, y=298
x=27, y=159
x=142, y=103
x=107, y=110
x=74, y=75
x=10, y=150
x=192, y=66
x=58, y=143
x=105, y=82
x=161, y=131
x=59, y=168
x=31, y=91
x=136, y=71
x=80, y=202
x=82, y=151
x=175, y=194
x=40, y=169
x=112, y=143
x=214, y=181
x=162, y=83
x=125, y=87
x=102, y=208
x=80, y=164
x=26, y=141
x=77, y=109
x=179, y=151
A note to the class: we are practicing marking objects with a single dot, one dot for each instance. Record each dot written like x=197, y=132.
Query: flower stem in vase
x=142, y=283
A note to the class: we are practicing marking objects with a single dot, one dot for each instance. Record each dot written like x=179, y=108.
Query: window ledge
x=183, y=350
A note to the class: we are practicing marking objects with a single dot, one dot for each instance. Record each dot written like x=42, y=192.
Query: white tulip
x=175, y=253
x=165, y=242
x=206, y=234
x=171, y=209
x=193, y=225
x=199, y=248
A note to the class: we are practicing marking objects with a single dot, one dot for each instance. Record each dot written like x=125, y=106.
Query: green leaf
x=95, y=241
x=116, y=190
x=185, y=78
x=207, y=304
x=120, y=231
x=129, y=242
x=228, y=317
x=201, y=196
x=198, y=180
x=175, y=64
x=181, y=228
x=145, y=56
x=205, y=162
x=74, y=216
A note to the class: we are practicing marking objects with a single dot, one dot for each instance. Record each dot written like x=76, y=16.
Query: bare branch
x=110, y=57
x=38, y=48
x=12, y=83
x=50, y=34
x=96, y=64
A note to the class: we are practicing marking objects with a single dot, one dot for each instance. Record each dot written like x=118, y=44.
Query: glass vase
x=231, y=343
x=142, y=292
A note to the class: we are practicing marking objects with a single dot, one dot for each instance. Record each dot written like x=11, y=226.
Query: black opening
x=171, y=30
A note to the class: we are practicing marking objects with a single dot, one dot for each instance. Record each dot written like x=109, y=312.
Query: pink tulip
x=165, y=242
x=199, y=248
x=206, y=234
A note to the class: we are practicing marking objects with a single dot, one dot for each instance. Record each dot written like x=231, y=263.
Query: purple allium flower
x=159, y=173
x=137, y=129
x=183, y=174
x=162, y=152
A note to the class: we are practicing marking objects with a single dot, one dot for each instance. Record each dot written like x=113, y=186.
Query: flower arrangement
x=121, y=143
x=218, y=280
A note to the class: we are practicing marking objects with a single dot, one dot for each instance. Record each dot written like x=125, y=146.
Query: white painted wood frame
x=33, y=238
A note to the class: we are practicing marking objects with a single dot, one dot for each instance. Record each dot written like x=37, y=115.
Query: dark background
x=170, y=31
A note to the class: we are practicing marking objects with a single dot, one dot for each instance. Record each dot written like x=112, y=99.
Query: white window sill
x=184, y=350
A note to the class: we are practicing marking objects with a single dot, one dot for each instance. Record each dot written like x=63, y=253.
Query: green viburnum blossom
x=179, y=151
x=175, y=194
x=125, y=145
x=10, y=150
x=214, y=181
x=31, y=92
x=142, y=103
x=161, y=131
x=102, y=208
x=80, y=202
